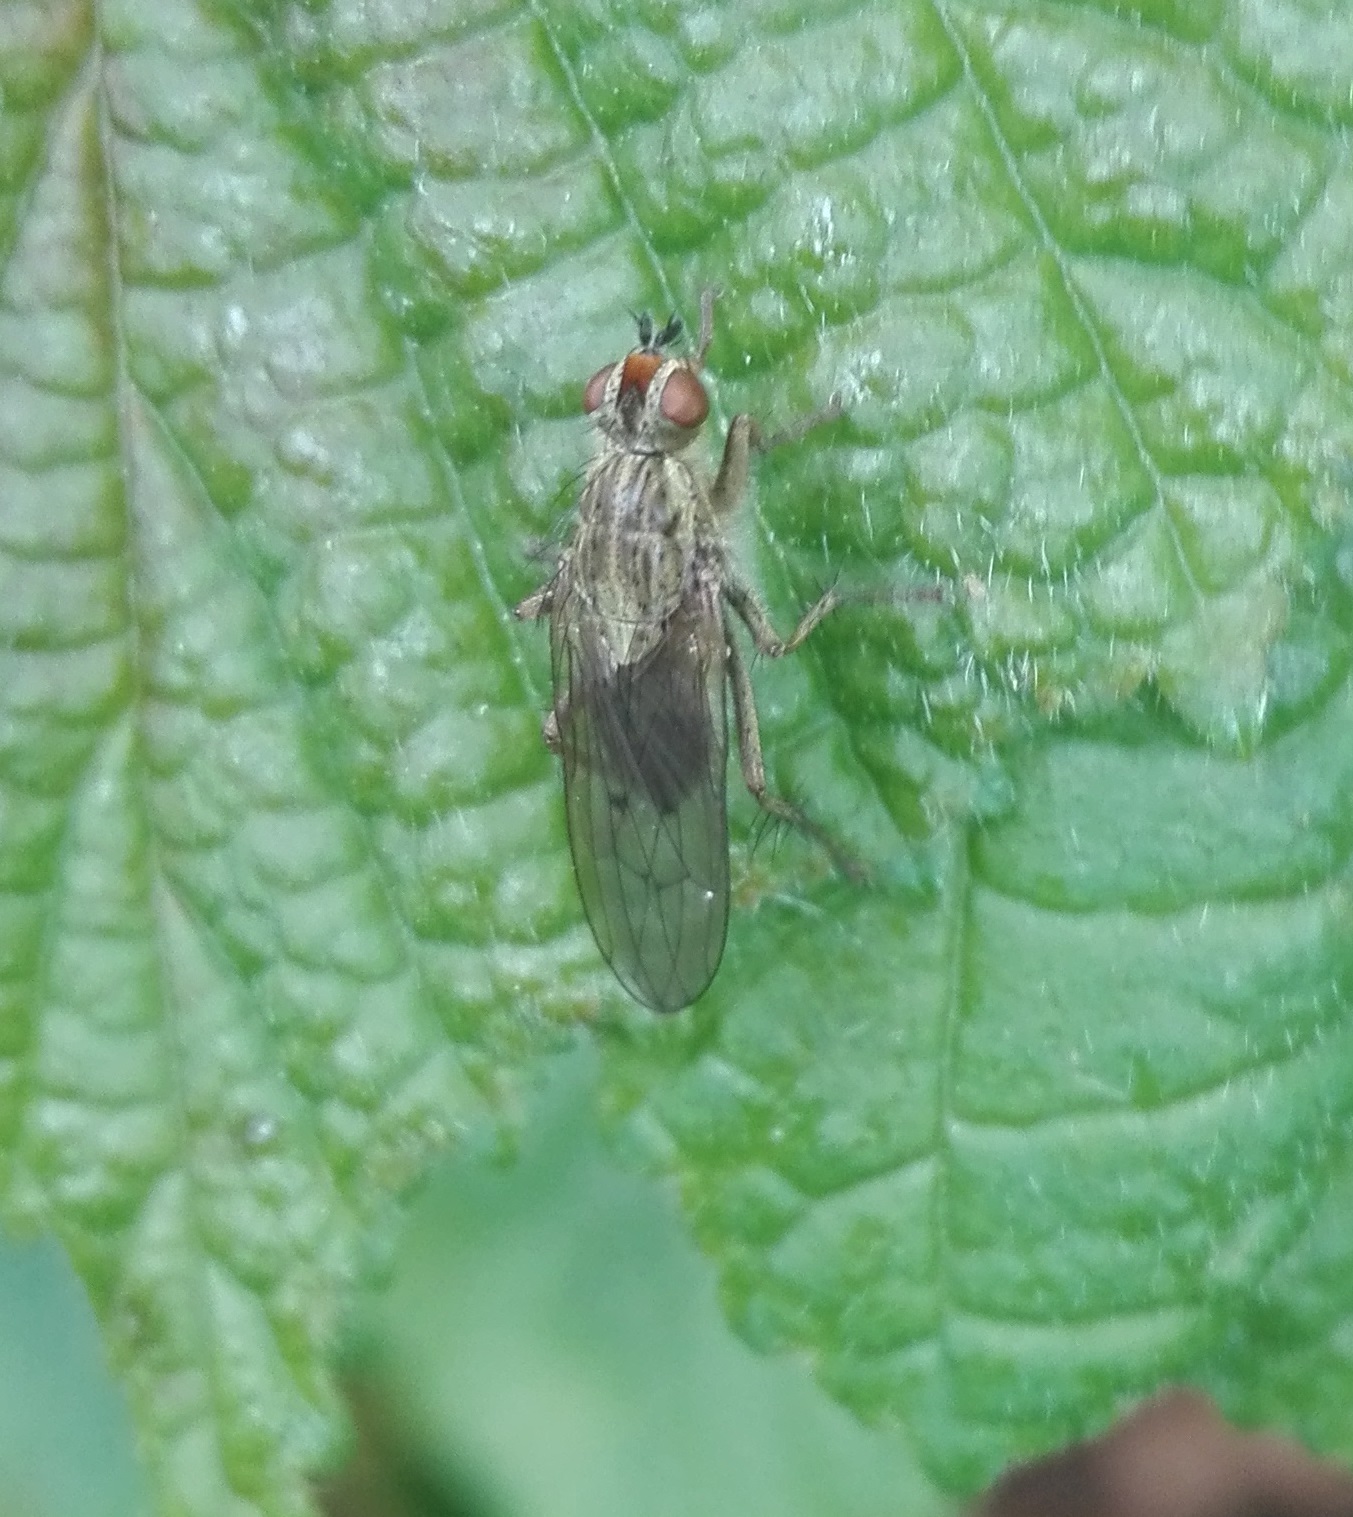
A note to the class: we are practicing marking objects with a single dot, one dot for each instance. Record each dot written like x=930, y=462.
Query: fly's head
x=647, y=402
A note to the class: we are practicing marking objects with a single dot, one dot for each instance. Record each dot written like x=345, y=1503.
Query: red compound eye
x=684, y=402
x=595, y=390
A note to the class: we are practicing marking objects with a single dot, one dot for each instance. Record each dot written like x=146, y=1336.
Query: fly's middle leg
x=539, y=603
x=757, y=621
x=754, y=767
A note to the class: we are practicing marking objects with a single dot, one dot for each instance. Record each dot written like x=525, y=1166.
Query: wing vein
x=644, y=745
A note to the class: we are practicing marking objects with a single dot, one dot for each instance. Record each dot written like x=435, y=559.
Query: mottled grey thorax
x=635, y=552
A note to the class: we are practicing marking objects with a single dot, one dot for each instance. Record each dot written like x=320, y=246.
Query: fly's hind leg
x=551, y=727
x=754, y=767
x=536, y=605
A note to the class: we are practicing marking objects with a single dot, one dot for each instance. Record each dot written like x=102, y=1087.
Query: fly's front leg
x=754, y=767
x=707, y=299
x=731, y=480
x=744, y=437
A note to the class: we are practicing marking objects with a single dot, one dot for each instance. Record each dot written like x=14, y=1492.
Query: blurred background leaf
x=65, y=1433
x=581, y=1363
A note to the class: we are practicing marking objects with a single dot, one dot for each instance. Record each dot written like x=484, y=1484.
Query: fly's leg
x=772, y=645
x=731, y=480
x=744, y=434
x=707, y=299
x=758, y=623
x=744, y=437
x=536, y=605
x=555, y=717
x=754, y=768
x=539, y=603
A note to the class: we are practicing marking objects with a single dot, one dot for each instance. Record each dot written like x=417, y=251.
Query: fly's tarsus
x=763, y=442
x=754, y=766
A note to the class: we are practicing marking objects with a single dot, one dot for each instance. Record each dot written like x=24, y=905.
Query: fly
x=641, y=609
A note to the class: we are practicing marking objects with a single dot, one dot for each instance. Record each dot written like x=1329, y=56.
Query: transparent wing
x=644, y=749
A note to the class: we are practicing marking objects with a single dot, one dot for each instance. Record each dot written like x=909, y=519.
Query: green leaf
x=295, y=301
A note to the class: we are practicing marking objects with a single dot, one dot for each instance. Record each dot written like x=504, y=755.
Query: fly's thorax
x=637, y=550
x=643, y=492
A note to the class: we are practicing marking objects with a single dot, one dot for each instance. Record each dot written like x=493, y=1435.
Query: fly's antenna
x=654, y=340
